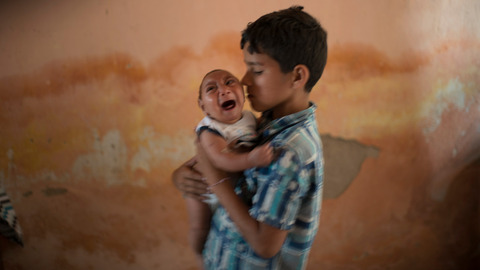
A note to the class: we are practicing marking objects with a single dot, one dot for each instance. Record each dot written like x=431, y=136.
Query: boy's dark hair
x=291, y=37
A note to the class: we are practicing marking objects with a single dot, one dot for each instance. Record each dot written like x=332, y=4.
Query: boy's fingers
x=191, y=162
x=195, y=196
x=194, y=186
x=194, y=175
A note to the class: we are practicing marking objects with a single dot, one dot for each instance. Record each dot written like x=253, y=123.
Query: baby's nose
x=224, y=90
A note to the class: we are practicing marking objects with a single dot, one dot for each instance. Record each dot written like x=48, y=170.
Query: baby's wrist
x=221, y=181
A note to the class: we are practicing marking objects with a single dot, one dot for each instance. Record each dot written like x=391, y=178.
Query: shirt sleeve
x=280, y=190
x=205, y=128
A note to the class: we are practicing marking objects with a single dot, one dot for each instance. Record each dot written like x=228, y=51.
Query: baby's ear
x=200, y=104
x=301, y=75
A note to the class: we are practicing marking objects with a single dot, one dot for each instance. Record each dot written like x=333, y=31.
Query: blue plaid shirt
x=287, y=195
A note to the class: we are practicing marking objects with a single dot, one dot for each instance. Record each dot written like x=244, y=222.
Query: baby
x=228, y=134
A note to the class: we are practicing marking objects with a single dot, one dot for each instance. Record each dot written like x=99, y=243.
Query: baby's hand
x=260, y=156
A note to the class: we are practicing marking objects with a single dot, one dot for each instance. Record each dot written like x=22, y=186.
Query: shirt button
x=241, y=248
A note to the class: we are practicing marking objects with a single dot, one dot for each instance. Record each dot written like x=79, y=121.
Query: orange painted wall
x=98, y=105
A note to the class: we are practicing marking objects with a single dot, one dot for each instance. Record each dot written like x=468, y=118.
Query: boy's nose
x=246, y=79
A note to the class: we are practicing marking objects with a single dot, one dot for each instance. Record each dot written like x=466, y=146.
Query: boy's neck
x=296, y=104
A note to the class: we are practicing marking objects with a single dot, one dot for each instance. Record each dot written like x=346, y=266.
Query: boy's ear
x=301, y=74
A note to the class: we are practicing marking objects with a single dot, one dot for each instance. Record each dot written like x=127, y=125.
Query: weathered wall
x=97, y=106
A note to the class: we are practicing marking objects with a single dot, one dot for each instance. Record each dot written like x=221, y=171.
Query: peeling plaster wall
x=98, y=105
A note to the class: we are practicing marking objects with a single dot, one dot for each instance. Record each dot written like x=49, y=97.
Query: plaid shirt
x=287, y=195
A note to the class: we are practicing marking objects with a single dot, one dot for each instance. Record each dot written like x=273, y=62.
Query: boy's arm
x=215, y=146
x=265, y=240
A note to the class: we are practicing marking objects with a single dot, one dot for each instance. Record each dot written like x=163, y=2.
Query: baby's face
x=222, y=97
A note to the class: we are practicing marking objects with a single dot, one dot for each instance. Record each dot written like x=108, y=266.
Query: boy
x=227, y=133
x=272, y=222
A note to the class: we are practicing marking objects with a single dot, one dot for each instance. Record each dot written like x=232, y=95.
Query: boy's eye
x=257, y=72
x=229, y=82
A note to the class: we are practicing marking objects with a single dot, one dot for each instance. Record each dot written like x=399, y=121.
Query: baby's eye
x=210, y=88
x=231, y=81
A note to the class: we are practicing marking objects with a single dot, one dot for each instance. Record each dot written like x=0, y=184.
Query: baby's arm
x=229, y=161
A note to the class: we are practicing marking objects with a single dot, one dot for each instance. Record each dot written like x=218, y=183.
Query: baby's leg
x=199, y=214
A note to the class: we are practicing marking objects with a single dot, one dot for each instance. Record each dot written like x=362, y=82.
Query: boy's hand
x=260, y=156
x=189, y=181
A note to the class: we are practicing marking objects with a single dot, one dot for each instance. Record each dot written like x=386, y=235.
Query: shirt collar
x=268, y=127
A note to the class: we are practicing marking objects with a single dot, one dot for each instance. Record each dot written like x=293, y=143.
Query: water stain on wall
x=90, y=144
x=49, y=191
x=350, y=62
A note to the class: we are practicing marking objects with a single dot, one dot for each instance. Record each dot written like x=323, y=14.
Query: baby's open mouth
x=228, y=105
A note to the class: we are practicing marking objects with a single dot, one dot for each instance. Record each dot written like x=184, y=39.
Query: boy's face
x=222, y=97
x=267, y=86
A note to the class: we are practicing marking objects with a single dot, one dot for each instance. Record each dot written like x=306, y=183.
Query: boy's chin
x=256, y=107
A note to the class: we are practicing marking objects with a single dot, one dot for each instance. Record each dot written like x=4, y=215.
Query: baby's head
x=221, y=96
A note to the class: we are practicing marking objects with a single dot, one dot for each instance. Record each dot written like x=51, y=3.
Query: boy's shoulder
x=298, y=133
